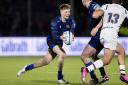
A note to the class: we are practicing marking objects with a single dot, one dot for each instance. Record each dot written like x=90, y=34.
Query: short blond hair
x=64, y=6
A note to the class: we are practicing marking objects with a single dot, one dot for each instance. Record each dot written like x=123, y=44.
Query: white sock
x=122, y=69
x=91, y=68
x=96, y=64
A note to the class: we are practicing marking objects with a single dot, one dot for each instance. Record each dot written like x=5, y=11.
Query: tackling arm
x=95, y=30
x=97, y=13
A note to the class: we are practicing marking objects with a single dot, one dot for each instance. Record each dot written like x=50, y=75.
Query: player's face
x=65, y=13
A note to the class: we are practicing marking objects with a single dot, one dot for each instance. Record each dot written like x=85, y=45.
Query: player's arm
x=97, y=13
x=54, y=31
x=95, y=29
x=90, y=5
x=100, y=11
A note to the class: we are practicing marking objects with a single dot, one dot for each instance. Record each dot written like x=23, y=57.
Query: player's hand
x=62, y=37
x=94, y=31
x=73, y=38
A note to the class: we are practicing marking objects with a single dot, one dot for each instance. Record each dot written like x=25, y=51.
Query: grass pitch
x=47, y=75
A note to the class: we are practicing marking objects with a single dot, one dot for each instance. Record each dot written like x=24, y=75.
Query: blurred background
x=24, y=25
x=32, y=17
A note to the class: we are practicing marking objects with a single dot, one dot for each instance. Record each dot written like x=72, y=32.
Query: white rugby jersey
x=114, y=15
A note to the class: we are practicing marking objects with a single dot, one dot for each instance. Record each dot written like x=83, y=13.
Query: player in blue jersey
x=55, y=39
x=94, y=47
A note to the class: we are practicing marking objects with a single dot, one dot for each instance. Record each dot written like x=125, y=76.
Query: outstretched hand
x=94, y=31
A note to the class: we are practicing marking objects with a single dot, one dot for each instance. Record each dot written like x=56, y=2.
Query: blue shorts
x=95, y=42
x=52, y=44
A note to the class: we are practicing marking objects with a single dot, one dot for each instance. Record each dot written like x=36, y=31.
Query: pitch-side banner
x=37, y=46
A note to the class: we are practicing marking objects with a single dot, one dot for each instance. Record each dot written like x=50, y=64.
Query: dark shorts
x=95, y=42
x=53, y=53
x=52, y=44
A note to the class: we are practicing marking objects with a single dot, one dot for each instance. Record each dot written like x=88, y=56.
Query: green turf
x=47, y=75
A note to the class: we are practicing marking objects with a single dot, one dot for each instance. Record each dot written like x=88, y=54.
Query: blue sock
x=92, y=73
x=29, y=67
x=60, y=75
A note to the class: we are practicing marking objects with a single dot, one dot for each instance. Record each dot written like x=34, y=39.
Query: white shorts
x=108, y=38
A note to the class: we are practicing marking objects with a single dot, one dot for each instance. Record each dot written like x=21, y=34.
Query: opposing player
x=94, y=47
x=55, y=39
x=113, y=16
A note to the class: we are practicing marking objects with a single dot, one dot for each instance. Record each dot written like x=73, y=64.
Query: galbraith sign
x=37, y=46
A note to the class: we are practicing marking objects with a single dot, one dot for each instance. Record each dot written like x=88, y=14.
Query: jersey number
x=113, y=18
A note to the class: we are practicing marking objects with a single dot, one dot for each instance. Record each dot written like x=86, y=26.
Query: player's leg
x=95, y=42
x=121, y=60
x=98, y=48
x=109, y=51
x=61, y=54
x=92, y=50
x=86, y=58
x=108, y=54
x=103, y=77
x=41, y=62
x=89, y=51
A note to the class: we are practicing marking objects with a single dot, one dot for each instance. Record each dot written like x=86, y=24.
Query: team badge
x=67, y=26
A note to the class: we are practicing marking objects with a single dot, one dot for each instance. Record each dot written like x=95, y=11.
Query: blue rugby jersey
x=94, y=42
x=91, y=9
x=57, y=29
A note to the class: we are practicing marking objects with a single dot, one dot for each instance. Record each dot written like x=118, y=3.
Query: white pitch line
x=65, y=72
x=115, y=73
x=76, y=73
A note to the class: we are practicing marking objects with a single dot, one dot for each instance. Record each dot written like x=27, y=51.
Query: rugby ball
x=68, y=37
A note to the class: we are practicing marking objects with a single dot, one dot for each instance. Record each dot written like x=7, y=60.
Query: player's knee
x=82, y=57
x=85, y=55
x=94, y=57
x=122, y=51
x=61, y=56
x=107, y=62
x=46, y=60
x=85, y=58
